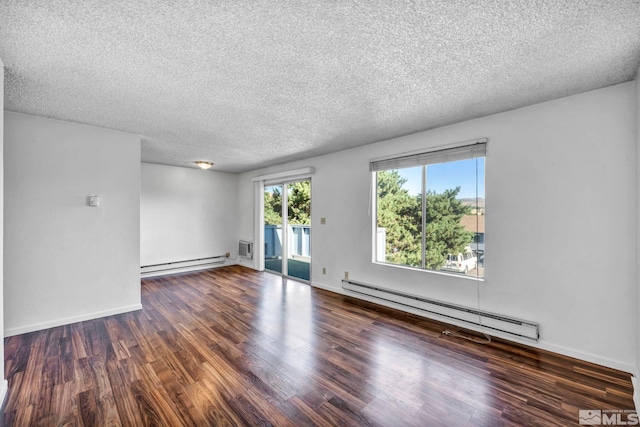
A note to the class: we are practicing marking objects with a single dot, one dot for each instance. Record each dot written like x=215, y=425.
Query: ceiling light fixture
x=204, y=165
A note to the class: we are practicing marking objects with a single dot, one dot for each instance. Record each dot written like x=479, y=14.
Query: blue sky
x=444, y=176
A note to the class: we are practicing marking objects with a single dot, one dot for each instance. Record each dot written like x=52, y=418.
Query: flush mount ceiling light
x=204, y=165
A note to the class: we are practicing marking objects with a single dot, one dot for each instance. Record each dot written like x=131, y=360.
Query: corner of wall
x=636, y=398
x=4, y=386
x=634, y=379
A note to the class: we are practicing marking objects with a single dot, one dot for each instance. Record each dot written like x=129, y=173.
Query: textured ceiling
x=248, y=84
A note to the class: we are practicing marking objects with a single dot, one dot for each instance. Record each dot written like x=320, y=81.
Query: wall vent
x=245, y=249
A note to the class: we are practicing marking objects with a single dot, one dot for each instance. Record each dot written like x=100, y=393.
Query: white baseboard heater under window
x=178, y=266
x=490, y=321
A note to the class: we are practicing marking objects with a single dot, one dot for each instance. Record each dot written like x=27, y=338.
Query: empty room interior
x=332, y=213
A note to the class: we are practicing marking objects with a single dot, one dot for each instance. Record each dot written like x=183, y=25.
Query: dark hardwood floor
x=232, y=346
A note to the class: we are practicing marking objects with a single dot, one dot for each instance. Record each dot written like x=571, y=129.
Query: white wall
x=560, y=242
x=636, y=395
x=3, y=386
x=186, y=214
x=63, y=260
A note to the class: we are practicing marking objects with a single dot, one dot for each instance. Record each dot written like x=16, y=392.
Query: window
x=430, y=210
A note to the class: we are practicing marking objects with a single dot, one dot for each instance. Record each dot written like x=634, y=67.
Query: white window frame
x=441, y=154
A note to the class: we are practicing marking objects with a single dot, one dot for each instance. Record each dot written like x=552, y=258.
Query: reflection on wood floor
x=233, y=346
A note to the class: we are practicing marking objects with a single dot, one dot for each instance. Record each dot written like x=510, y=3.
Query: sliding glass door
x=287, y=229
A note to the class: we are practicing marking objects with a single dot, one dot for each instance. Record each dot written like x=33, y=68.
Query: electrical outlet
x=323, y=220
x=227, y=254
x=346, y=275
x=324, y=270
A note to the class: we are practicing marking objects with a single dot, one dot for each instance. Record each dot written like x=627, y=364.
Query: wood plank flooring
x=235, y=347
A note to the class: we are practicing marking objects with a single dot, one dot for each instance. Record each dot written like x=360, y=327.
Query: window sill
x=439, y=273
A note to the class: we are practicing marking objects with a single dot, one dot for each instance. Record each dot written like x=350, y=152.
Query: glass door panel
x=273, y=228
x=298, y=230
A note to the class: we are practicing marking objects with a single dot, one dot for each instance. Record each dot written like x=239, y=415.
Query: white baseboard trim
x=336, y=289
x=250, y=263
x=636, y=398
x=599, y=360
x=587, y=357
x=4, y=391
x=69, y=320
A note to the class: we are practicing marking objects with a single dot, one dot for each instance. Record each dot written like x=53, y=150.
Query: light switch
x=323, y=220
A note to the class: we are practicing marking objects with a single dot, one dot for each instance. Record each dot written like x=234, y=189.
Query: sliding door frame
x=258, y=188
x=285, y=225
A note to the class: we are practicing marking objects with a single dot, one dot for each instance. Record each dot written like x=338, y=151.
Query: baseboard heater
x=490, y=321
x=174, y=266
